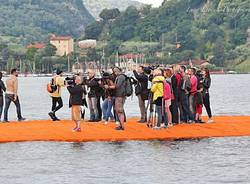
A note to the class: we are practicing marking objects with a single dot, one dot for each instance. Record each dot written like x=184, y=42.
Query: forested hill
x=206, y=29
x=95, y=7
x=24, y=21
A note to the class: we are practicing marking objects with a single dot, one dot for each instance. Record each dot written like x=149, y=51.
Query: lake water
x=216, y=160
x=230, y=95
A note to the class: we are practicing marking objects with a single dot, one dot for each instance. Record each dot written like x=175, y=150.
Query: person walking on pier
x=56, y=95
x=2, y=89
x=12, y=96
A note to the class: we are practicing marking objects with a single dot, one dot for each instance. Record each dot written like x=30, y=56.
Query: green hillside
x=206, y=29
x=24, y=21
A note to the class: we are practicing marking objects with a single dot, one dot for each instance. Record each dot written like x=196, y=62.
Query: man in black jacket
x=93, y=88
x=141, y=91
x=76, y=96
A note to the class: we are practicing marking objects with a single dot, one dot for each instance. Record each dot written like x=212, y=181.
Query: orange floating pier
x=61, y=131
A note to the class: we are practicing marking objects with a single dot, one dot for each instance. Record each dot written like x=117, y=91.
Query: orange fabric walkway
x=61, y=131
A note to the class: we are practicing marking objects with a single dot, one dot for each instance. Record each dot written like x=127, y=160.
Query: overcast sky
x=155, y=3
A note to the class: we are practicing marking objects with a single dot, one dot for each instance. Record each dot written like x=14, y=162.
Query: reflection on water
x=229, y=96
x=222, y=160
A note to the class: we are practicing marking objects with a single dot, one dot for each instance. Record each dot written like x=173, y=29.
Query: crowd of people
x=166, y=96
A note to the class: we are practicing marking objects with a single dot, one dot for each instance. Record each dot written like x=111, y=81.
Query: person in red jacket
x=193, y=91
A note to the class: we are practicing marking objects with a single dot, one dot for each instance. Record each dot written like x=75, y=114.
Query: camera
x=149, y=69
x=70, y=80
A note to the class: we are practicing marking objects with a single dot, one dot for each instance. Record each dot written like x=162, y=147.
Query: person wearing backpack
x=122, y=90
x=57, y=103
x=184, y=92
x=141, y=90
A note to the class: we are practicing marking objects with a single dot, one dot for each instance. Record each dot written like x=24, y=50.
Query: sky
x=155, y=3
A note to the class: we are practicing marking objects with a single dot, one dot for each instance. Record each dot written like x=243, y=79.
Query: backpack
x=128, y=86
x=52, y=87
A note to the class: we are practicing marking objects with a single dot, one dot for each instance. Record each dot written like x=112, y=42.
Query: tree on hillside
x=94, y=30
x=107, y=15
x=219, y=53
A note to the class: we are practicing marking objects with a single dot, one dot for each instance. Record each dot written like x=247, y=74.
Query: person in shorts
x=76, y=96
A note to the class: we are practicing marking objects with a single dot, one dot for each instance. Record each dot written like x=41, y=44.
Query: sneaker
x=210, y=121
x=56, y=119
x=200, y=121
x=156, y=128
x=190, y=121
x=76, y=130
x=52, y=115
x=119, y=128
x=105, y=123
x=91, y=120
x=141, y=121
x=21, y=119
x=163, y=126
x=117, y=123
x=5, y=121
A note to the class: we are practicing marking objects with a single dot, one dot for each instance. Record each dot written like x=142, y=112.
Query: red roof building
x=36, y=46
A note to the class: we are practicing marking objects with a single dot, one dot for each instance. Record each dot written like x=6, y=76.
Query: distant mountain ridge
x=96, y=6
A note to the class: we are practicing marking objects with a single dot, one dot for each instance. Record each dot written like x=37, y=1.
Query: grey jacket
x=120, y=86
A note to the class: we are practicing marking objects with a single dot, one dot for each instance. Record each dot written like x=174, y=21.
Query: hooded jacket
x=157, y=87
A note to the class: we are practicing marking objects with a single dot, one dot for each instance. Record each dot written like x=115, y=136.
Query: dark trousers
x=174, y=111
x=1, y=106
x=99, y=107
x=184, y=106
x=55, y=101
x=8, y=99
x=206, y=101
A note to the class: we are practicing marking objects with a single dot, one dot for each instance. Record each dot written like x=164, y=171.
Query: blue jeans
x=8, y=99
x=107, y=108
x=94, y=114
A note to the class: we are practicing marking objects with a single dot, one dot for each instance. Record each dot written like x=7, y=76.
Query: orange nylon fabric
x=61, y=131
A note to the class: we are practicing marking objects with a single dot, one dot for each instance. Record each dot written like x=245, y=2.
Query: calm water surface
x=221, y=160
x=230, y=95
